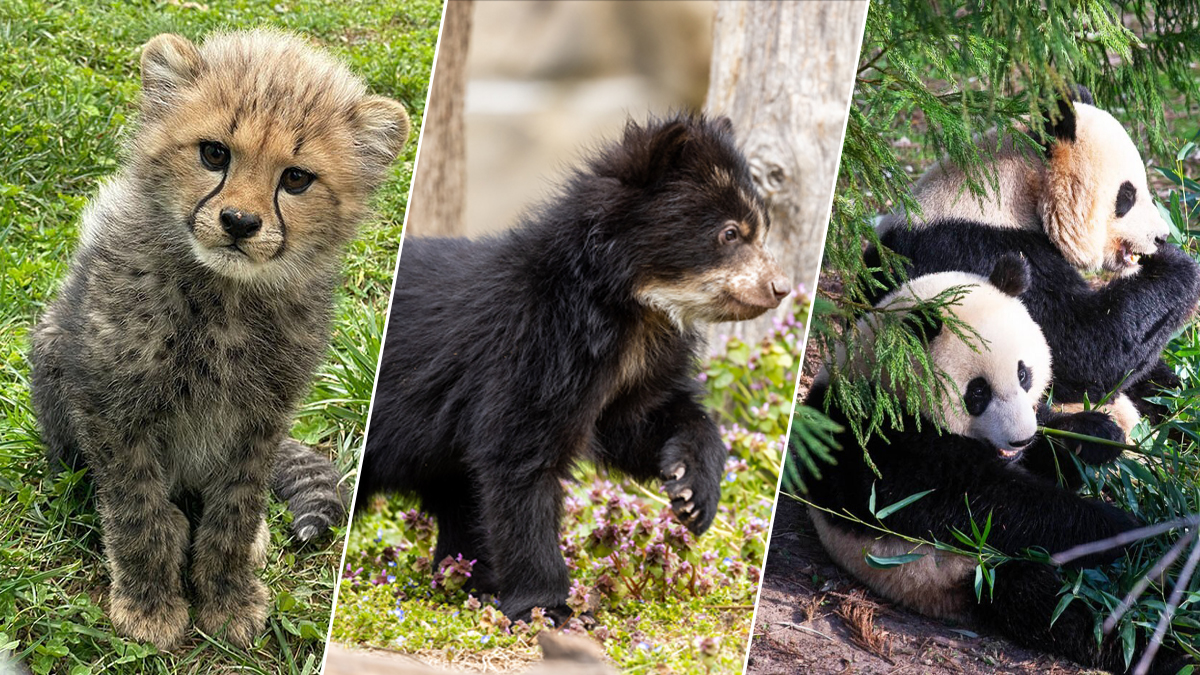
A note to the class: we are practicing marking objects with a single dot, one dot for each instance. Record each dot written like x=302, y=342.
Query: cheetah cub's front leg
x=229, y=549
x=145, y=541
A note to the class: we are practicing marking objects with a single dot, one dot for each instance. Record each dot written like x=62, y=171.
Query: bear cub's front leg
x=692, y=463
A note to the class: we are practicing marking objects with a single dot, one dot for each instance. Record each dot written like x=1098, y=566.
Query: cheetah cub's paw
x=238, y=617
x=162, y=622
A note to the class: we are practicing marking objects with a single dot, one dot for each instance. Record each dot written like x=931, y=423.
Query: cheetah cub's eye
x=214, y=156
x=730, y=234
x=295, y=181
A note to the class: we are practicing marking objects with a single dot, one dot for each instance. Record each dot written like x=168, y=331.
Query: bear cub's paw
x=694, y=496
x=1099, y=425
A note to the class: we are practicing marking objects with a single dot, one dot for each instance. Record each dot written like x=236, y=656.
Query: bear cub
x=574, y=335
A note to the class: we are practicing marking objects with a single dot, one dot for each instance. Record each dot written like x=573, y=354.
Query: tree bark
x=437, y=203
x=783, y=72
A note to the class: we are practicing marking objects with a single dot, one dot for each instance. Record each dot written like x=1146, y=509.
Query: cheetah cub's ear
x=169, y=63
x=381, y=128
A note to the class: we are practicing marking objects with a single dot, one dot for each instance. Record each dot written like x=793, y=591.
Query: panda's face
x=999, y=382
x=1098, y=206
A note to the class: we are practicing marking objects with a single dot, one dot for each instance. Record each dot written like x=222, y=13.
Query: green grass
x=69, y=73
x=664, y=601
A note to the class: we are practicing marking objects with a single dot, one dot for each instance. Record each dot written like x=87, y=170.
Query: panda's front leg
x=1050, y=456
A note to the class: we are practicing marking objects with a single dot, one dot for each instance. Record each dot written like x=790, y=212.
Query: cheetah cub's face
x=264, y=150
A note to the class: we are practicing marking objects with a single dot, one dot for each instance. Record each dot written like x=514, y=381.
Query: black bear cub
x=572, y=336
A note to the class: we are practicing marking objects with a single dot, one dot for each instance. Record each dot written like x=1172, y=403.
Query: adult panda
x=988, y=460
x=1083, y=207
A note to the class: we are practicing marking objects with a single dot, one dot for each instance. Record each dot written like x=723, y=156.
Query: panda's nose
x=1017, y=445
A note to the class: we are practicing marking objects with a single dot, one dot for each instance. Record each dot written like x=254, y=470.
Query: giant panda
x=1084, y=207
x=988, y=459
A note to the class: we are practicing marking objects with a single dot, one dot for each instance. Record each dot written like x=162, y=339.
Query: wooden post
x=783, y=72
x=438, y=198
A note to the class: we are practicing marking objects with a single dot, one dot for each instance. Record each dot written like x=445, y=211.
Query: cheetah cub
x=196, y=310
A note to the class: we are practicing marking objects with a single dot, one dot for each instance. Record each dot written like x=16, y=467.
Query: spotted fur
x=179, y=345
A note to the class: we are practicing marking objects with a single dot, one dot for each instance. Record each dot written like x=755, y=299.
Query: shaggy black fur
x=1102, y=338
x=1029, y=508
x=509, y=358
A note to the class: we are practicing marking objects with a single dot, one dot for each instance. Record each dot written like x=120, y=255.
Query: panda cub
x=1083, y=207
x=988, y=459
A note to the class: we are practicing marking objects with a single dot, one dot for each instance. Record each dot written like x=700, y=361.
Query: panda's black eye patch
x=977, y=396
x=1024, y=375
x=1126, y=198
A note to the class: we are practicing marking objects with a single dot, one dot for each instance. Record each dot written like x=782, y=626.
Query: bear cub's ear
x=1011, y=274
x=647, y=153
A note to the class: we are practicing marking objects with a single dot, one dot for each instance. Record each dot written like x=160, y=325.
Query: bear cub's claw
x=693, y=500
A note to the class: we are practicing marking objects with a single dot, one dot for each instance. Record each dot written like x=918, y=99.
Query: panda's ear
x=925, y=324
x=1011, y=274
x=1060, y=126
x=1081, y=94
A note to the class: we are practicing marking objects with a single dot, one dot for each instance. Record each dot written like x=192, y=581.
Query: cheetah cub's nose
x=239, y=224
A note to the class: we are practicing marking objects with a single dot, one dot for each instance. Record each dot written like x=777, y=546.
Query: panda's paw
x=1097, y=425
x=694, y=496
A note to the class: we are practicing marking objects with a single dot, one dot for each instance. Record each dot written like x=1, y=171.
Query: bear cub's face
x=264, y=148
x=705, y=229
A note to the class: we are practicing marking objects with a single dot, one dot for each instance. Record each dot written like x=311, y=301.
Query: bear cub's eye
x=213, y=155
x=1024, y=376
x=730, y=234
x=296, y=180
x=977, y=396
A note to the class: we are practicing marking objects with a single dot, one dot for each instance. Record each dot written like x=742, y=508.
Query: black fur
x=1061, y=127
x=1100, y=337
x=1032, y=504
x=1011, y=275
x=503, y=360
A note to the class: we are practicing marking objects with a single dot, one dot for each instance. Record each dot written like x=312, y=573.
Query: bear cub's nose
x=781, y=286
x=239, y=224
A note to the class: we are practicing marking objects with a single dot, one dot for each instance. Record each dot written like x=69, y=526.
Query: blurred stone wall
x=546, y=80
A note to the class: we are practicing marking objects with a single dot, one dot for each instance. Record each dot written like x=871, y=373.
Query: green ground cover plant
x=662, y=599
x=979, y=66
x=70, y=82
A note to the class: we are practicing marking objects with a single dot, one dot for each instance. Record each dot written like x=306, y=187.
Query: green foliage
x=663, y=599
x=70, y=84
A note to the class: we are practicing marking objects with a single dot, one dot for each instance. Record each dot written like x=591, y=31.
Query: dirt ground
x=815, y=619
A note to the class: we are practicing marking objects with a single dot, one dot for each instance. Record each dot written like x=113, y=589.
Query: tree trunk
x=436, y=205
x=783, y=72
